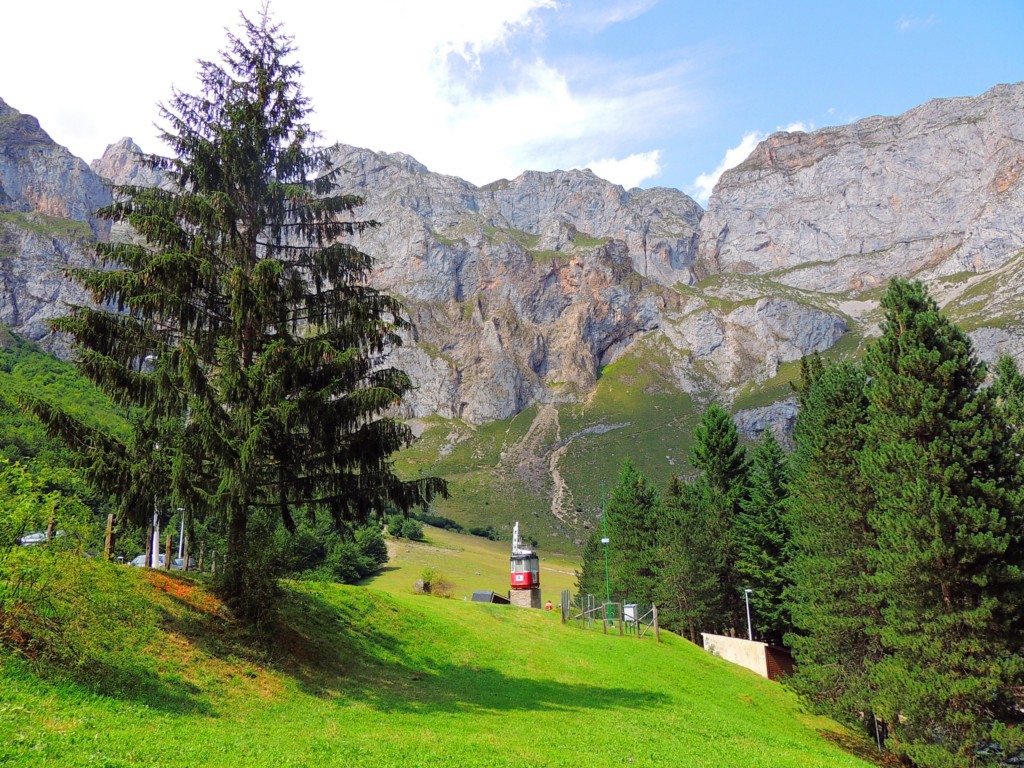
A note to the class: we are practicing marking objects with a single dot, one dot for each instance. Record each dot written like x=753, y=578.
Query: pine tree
x=762, y=538
x=722, y=463
x=590, y=576
x=717, y=452
x=247, y=338
x=634, y=512
x=693, y=560
x=831, y=600
x=948, y=558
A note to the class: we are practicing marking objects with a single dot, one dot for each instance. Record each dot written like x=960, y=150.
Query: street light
x=181, y=536
x=750, y=631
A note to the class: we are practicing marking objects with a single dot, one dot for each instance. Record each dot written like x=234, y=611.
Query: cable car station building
x=524, y=566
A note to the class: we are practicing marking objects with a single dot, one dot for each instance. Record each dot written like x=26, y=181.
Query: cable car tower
x=525, y=573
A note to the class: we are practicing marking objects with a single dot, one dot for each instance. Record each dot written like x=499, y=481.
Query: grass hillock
x=367, y=677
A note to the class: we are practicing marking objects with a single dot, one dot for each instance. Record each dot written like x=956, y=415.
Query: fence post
x=202, y=551
x=108, y=541
x=657, y=634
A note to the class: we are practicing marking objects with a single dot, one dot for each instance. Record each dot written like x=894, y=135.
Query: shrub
x=436, y=583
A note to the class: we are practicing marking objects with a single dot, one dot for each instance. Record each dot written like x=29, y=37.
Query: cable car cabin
x=525, y=567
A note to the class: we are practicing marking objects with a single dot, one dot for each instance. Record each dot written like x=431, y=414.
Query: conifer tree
x=831, y=599
x=247, y=339
x=948, y=556
x=693, y=559
x=722, y=463
x=590, y=576
x=717, y=452
x=634, y=511
x=762, y=538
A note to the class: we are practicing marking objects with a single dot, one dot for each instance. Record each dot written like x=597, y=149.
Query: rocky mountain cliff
x=524, y=292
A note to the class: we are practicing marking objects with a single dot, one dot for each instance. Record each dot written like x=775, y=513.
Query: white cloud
x=467, y=87
x=629, y=171
x=703, y=184
x=907, y=23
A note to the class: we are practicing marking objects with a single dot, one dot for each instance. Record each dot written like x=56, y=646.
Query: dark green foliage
x=438, y=521
x=693, y=554
x=590, y=578
x=486, y=532
x=722, y=463
x=831, y=599
x=1008, y=389
x=318, y=551
x=717, y=453
x=633, y=513
x=268, y=388
x=948, y=558
x=762, y=538
x=402, y=527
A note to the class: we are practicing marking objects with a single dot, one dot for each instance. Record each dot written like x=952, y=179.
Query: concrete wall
x=747, y=653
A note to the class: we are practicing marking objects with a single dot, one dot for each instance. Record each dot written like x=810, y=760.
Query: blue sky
x=646, y=93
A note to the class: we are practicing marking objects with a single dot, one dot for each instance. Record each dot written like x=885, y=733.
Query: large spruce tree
x=721, y=462
x=762, y=538
x=692, y=559
x=266, y=386
x=948, y=557
x=831, y=599
x=634, y=519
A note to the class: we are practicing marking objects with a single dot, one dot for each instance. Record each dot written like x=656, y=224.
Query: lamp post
x=181, y=536
x=750, y=631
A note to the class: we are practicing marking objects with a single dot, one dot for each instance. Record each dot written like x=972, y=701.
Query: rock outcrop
x=929, y=193
x=47, y=200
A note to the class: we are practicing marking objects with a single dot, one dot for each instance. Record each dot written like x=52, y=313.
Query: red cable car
x=524, y=565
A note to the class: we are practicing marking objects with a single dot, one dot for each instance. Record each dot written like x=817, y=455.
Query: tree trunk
x=236, y=558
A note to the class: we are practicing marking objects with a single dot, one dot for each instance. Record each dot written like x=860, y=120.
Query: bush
x=487, y=533
x=436, y=583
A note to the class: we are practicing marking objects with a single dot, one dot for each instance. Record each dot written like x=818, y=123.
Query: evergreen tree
x=722, y=462
x=248, y=340
x=762, y=538
x=633, y=512
x=1008, y=389
x=948, y=557
x=717, y=453
x=590, y=576
x=693, y=560
x=832, y=604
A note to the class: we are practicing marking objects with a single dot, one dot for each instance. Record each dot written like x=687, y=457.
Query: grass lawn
x=377, y=676
x=469, y=563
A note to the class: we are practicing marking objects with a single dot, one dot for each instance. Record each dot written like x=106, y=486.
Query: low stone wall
x=526, y=598
x=747, y=653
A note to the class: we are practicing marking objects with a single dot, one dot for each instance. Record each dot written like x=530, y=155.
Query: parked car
x=37, y=537
x=140, y=561
x=177, y=564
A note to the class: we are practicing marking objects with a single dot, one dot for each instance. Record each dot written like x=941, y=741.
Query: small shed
x=483, y=596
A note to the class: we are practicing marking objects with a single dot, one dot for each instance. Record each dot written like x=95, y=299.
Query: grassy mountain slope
x=361, y=676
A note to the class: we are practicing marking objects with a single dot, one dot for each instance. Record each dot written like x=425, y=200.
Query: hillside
x=359, y=676
x=563, y=323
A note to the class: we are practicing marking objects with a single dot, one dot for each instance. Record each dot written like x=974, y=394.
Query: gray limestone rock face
x=929, y=193
x=37, y=174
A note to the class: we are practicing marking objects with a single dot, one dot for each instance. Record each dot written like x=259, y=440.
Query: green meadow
x=374, y=675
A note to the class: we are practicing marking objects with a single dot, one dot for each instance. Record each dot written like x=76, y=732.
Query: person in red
x=549, y=606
